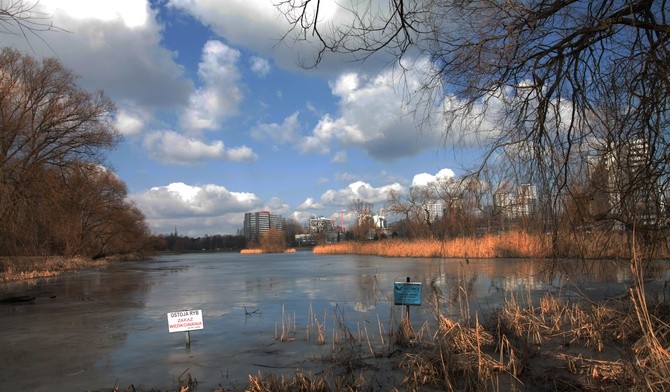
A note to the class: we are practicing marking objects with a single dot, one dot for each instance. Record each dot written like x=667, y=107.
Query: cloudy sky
x=219, y=119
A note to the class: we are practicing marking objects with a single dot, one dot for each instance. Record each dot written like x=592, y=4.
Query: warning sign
x=407, y=293
x=185, y=320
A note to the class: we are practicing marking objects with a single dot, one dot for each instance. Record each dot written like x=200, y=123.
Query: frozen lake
x=96, y=330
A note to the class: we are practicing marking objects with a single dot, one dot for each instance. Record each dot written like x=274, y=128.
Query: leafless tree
x=20, y=17
x=54, y=196
x=548, y=81
x=411, y=207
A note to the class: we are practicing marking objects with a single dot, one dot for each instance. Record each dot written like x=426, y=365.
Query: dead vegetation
x=512, y=244
x=549, y=344
x=19, y=268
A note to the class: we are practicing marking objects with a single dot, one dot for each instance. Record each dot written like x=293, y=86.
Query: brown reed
x=512, y=244
x=589, y=245
x=20, y=268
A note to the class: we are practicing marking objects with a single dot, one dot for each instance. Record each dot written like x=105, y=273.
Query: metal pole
x=188, y=338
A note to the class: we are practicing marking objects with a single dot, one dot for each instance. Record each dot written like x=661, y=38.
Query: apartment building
x=258, y=223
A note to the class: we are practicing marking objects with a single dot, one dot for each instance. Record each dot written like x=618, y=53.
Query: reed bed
x=256, y=251
x=548, y=344
x=511, y=244
x=590, y=245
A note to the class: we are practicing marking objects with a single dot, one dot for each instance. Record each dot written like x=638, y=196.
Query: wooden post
x=407, y=306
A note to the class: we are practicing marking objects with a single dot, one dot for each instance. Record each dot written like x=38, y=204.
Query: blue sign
x=407, y=293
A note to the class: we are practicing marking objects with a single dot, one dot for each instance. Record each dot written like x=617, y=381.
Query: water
x=99, y=329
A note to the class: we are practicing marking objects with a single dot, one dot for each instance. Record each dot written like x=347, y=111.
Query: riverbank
x=19, y=268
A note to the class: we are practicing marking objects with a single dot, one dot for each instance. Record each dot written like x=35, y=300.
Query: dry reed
x=512, y=244
x=279, y=383
x=256, y=251
x=589, y=245
x=19, y=268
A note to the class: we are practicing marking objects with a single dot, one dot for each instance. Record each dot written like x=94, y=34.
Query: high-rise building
x=258, y=223
x=520, y=204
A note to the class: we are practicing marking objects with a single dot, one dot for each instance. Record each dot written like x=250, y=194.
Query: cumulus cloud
x=114, y=46
x=259, y=26
x=310, y=204
x=194, y=207
x=221, y=93
x=179, y=199
x=359, y=190
x=424, y=179
x=277, y=206
x=285, y=132
x=372, y=116
x=172, y=147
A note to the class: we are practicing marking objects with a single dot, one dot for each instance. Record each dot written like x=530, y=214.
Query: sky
x=219, y=118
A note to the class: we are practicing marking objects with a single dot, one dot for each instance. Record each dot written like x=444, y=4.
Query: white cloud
x=133, y=13
x=310, y=204
x=424, y=179
x=260, y=66
x=172, y=147
x=114, y=46
x=359, y=190
x=129, y=123
x=259, y=25
x=221, y=94
x=372, y=116
x=277, y=206
x=287, y=131
x=195, y=209
x=180, y=199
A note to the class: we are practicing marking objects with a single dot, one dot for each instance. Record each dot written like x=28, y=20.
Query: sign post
x=185, y=321
x=407, y=293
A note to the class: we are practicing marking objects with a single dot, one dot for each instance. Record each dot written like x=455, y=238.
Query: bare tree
x=20, y=17
x=543, y=77
x=51, y=129
x=365, y=222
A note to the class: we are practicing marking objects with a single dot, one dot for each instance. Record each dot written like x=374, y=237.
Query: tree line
x=56, y=195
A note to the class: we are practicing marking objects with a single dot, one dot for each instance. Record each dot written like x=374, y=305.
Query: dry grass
x=279, y=383
x=512, y=244
x=591, y=245
x=19, y=268
x=256, y=251
x=547, y=344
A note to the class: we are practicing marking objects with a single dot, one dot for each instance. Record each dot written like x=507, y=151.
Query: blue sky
x=218, y=119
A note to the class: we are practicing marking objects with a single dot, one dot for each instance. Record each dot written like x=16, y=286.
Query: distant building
x=627, y=183
x=323, y=230
x=258, y=223
x=433, y=210
x=321, y=225
x=519, y=204
x=379, y=221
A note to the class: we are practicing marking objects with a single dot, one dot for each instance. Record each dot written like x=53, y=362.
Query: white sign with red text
x=185, y=320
